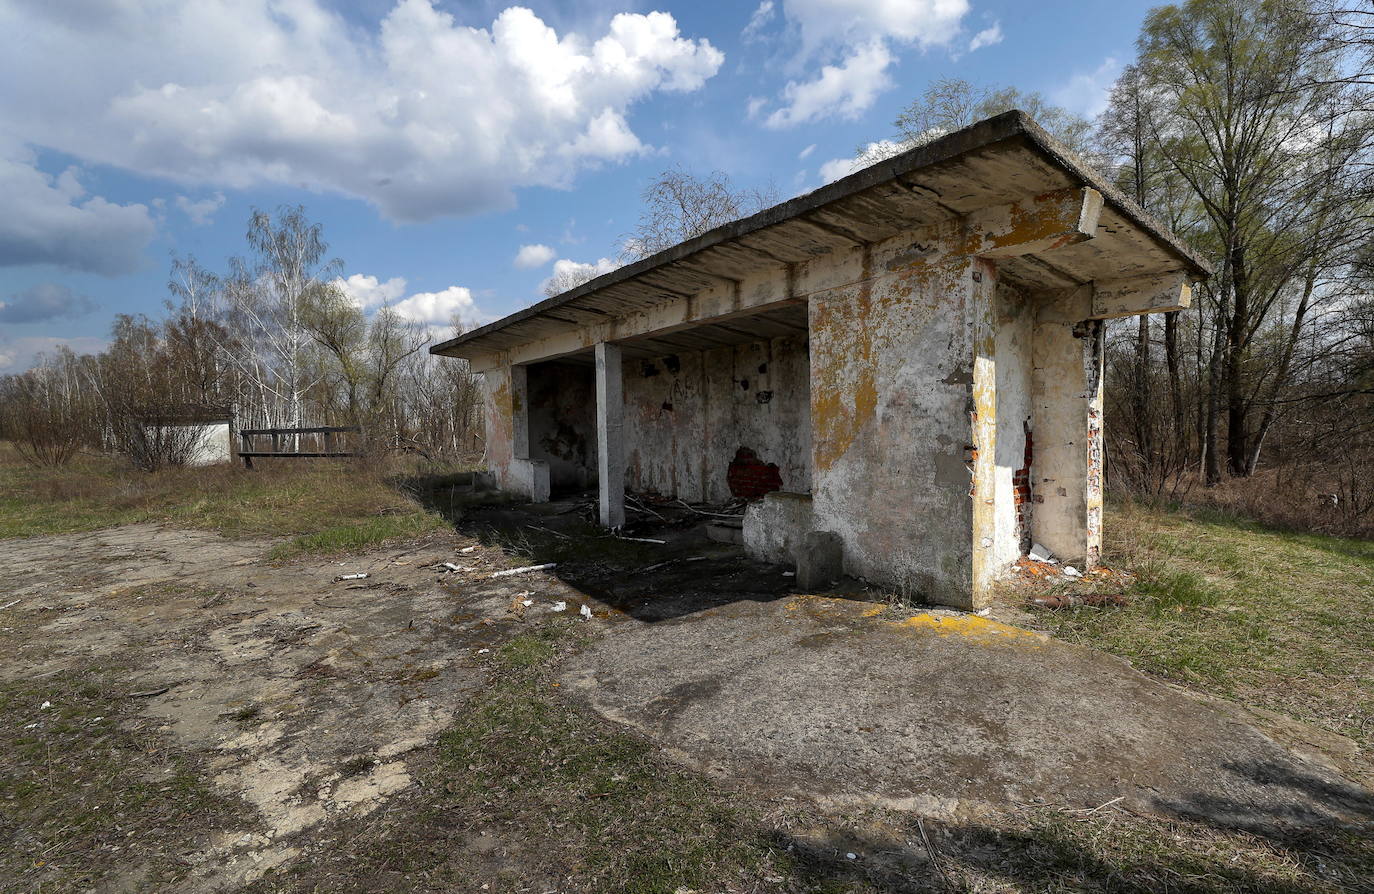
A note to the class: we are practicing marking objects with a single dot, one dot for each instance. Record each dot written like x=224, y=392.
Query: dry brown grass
x=341, y=505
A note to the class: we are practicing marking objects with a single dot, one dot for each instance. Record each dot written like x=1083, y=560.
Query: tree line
x=272, y=340
x=1245, y=126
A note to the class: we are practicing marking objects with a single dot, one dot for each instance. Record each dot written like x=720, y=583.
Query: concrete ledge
x=776, y=526
x=821, y=561
x=529, y=477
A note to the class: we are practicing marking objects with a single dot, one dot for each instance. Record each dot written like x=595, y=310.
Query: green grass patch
x=1270, y=618
x=359, y=535
x=530, y=650
x=526, y=792
x=529, y=792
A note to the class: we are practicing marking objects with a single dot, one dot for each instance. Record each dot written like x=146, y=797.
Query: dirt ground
x=289, y=705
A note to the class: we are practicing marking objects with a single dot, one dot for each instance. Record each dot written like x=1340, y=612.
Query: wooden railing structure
x=327, y=433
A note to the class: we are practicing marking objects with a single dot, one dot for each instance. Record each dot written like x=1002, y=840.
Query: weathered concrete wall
x=1012, y=498
x=1067, y=410
x=776, y=526
x=892, y=366
x=562, y=423
x=687, y=414
x=498, y=412
x=212, y=443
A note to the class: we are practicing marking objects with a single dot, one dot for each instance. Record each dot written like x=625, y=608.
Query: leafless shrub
x=37, y=414
x=155, y=437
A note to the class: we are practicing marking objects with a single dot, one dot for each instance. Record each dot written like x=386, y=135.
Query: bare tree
x=42, y=411
x=1251, y=119
x=268, y=296
x=949, y=104
x=568, y=275
x=679, y=205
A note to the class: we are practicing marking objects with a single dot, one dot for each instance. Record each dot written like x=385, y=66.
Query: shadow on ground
x=1048, y=851
x=686, y=574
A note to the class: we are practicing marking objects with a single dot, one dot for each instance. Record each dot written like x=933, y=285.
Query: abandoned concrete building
x=903, y=368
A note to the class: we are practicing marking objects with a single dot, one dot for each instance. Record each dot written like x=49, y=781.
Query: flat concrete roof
x=998, y=160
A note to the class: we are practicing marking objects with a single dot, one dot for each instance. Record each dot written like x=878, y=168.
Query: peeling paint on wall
x=750, y=477
x=684, y=425
x=497, y=411
x=891, y=361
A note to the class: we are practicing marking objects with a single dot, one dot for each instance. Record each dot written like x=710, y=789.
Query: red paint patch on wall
x=750, y=477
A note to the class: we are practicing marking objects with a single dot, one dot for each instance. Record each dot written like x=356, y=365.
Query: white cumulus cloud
x=836, y=168
x=437, y=309
x=840, y=91
x=201, y=212
x=51, y=220
x=368, y=292
x=422, y=116
x=568, y=274
x=987, y=37
x=536, y=255
x=856, y=41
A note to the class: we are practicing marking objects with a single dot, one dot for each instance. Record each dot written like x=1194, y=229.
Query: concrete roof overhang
x=1000, y=160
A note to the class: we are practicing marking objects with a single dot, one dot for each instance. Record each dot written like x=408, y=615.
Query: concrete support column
x=610, y=445
x=1066, y=472
x=519, y=412
x=523, y=474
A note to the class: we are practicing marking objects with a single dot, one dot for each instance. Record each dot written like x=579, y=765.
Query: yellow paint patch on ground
x=963, y=625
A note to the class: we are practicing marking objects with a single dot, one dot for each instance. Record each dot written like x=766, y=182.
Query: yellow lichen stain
x=830, y=607
x=1048, y=215
x=963, y=625
x=842, y=337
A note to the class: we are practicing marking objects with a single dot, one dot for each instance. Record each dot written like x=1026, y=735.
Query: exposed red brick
x=750, y=477
x=1021, y=490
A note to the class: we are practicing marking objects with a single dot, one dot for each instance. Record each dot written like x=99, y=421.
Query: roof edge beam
x=1037, y=224
x=1141, y=295
x=1109, y=299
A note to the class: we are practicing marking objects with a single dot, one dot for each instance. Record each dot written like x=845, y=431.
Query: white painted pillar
x=610, y=445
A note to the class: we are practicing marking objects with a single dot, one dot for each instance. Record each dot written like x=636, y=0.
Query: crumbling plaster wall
x=926, y=379
x=687, y=414
x=893, y=406
x=1011, y=488
x=498, y=410
x=562, y=420
x=1068, y=467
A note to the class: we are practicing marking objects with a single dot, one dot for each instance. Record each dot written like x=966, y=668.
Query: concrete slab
x=844, y=700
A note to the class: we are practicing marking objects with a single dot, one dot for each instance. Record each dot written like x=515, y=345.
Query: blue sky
x=434, y=139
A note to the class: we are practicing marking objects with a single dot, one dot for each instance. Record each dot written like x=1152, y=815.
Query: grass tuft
x=358, y=535
x=1272, y=619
